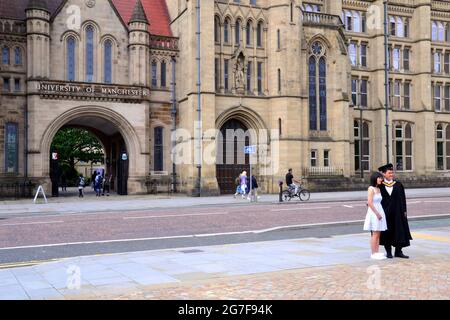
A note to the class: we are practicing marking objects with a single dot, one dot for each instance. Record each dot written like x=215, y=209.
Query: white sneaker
x=377, y=256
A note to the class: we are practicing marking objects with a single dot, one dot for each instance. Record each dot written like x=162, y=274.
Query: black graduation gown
x=394, y=206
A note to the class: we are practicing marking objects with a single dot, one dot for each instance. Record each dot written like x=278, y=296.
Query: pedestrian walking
x=397, y=234
x=63, y=182
x=80, y=184
x=107, y=185
x=98, y=184
x=243, y=181
x=93, y=176
x=375, y=218
x=254, y=192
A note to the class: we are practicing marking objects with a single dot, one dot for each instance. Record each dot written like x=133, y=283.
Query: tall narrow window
x=280, y=129
x=326, y=158
x=323, y=93
x=406, y=59
x=363, y=92
x=403, y=147
x=259, y=71
x=317, y=87
x=238, y=32
x=6, y=85
x=249, y=77
x=278, y=39
x=5, y=55
x=434, y=31
x=406, y=95
x=108, y=61
x=312, y=94
x=259, y=35
x=216, y=29
x=352, y=53
x=397, y=94
x=313, y=158
x=355, y=99
x=18, y=56
x=226, y=31
x=437, y=62
x=154, y=74
x=89, y=54
x=216, y=74
x=248, y=36
x=447, y=98
x=225, y=72
x=279, y=81
x=396, y=58
x=163, y=74
x=158, y=150
x=71, y=58
x=437, y=97
x=363, y=55
x=11, y=148
x=440, y=148
x=447, y=62
x=365, y=152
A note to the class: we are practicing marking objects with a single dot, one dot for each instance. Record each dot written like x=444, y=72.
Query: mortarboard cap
x=386, y=167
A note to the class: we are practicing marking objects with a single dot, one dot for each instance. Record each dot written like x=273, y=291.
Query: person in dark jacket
x=254, y=191
x=397, y=234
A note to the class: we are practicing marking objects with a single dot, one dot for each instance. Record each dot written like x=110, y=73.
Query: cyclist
x=291, y=182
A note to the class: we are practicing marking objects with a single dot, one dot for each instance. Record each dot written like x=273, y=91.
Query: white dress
x=372, y=223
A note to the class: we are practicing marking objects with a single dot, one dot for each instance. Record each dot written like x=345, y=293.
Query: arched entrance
x=112, y=164
x=126, y=151
x=231, y=159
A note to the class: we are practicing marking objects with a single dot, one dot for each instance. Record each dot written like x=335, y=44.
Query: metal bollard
x=280, y=184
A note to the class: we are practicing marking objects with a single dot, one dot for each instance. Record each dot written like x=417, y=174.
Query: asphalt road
x=51, y=236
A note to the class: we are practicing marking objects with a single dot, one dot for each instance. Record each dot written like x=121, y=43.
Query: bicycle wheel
x=287, y=195
x=304, y=195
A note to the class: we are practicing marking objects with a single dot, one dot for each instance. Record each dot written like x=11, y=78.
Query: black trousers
x=389, y=249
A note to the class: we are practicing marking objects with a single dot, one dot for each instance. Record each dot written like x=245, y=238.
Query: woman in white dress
x=375, y=219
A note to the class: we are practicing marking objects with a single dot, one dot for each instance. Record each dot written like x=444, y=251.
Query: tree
x=75, y=145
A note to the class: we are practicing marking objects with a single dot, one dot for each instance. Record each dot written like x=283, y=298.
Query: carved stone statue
x=239, y=73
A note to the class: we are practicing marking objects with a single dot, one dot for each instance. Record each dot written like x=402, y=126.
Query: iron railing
x=16, y=190
x=322, y=172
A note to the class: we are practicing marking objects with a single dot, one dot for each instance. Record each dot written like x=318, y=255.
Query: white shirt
x=389, y=189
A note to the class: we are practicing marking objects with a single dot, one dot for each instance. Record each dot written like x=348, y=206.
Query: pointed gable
x=155, y=10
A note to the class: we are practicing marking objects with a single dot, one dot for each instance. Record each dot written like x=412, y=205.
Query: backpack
x=237, y=181
x=82, y=182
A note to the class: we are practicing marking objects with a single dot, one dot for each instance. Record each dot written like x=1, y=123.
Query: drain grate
x=191, y=251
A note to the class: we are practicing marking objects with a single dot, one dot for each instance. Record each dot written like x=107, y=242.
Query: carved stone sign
x=93, y=90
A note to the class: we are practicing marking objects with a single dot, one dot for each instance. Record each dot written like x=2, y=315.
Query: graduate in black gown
x=394, y=204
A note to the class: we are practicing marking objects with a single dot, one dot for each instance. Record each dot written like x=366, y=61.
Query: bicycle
x=302, y=194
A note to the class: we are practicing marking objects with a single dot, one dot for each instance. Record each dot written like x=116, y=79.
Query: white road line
x=351, y=207
x=30, y=223
x=437, y=201
x=177, y=215
x=295, y=209
x=205, y=234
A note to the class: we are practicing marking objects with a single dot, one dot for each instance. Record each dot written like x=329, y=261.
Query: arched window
x=226, y=30
x=108, y=61
x=312, y=94
x=89, y=54
x=400, y=29
x=163, y=74
x=154, y=74
x=11, y=147
x=216, y=29
x=434, y=31
x=392, y=26
x=249, y=31
x=17, y=56
x=158, y=149
x=70, y=58
x=259, y=35
x=5, y=56
x=441, y=32
x=317, y=87
x=238, y=32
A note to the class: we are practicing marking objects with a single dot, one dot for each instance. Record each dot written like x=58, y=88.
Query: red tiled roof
x=156, y=11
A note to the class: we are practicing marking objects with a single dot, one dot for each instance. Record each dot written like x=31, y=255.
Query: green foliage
x=75, y=145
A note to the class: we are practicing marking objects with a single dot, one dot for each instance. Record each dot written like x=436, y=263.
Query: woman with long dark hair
x=375, y=219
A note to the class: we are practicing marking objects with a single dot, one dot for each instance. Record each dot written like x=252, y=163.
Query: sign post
x=40, y=189
x=250, y=150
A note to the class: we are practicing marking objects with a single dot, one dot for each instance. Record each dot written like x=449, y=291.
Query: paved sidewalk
x=118, y=203
x=312, y=268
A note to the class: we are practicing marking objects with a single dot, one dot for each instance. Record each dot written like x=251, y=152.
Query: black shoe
x=401, y=255
x=389, y=255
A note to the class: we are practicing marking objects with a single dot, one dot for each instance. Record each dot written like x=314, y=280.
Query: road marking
x=430, y=237
x=436, y=201
x=177, y=215
x=29, y=223
x=295, y=209
x=207, y=234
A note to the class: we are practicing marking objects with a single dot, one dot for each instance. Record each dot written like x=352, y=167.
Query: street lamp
x=386, y=76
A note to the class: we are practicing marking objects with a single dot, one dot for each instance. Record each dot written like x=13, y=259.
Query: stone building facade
x=296, y=77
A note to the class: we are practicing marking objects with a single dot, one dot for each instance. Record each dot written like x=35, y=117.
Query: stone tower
x=139, y=46
x=38, y=39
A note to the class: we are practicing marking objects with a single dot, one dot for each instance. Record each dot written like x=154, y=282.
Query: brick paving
x=423, y=279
